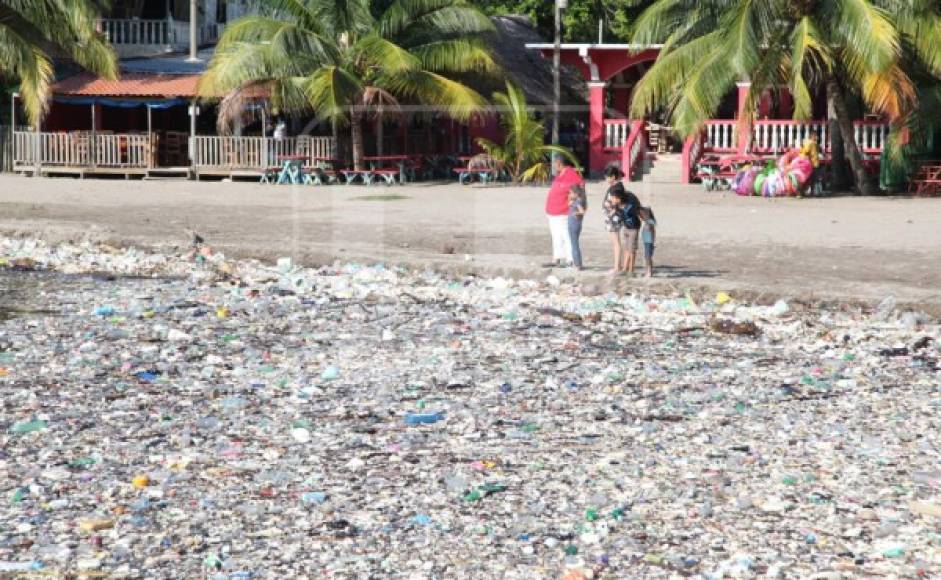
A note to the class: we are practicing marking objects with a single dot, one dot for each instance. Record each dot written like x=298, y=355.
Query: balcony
x=138, y=38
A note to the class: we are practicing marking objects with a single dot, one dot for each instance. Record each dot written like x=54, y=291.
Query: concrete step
x=663, y=168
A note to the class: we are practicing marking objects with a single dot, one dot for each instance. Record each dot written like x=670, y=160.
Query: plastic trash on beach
x=354, y=420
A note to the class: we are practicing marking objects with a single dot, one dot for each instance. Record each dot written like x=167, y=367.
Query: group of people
x=625, y=218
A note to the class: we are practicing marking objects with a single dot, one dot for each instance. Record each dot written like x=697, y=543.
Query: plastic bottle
x=423, y=418
x=20, y=566
x=29, y=426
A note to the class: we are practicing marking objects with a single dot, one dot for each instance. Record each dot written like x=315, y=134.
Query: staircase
x=663, y=168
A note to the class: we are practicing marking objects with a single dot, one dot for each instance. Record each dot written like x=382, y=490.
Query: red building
x=613, y=70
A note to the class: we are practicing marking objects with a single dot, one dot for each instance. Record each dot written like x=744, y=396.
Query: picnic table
x=292, y=171
x=323, y=168
x=376, y=165
x=927, y=180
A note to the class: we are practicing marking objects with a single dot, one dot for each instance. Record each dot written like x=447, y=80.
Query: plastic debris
x=239, y=419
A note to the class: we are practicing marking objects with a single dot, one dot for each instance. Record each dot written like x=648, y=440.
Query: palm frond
x=456, y=55
x=451, y=97
x=31, y=66
x=810, y=60
x=890, y=92
x=284, y=37
x=339, y=17
x=421, y=18
x=331, y=91
x=659, y=21
x=869, y=39
x=297, y=11
x=384, y=54
x=669, y=73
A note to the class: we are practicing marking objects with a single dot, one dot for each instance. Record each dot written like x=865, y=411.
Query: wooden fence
x=82, y=150
x=257, y=153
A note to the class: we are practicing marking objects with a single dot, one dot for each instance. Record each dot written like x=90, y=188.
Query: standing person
x=811, y=150
x=578, y=205
x=631, y=229
x=612, y=218
x=649, y=235
x=621, y=220
x=557, y=211
x=280, y=129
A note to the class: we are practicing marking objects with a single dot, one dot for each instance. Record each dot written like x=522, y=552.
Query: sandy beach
x=841, y=249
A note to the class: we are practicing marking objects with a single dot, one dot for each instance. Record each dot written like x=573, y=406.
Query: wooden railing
x=616, y=132
x=123, y=151
x=256, y=153
x=635, y=148
x=82, y=150
x=721, y=135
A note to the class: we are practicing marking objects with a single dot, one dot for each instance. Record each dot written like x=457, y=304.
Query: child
x=627, y=206
x=649, y=235
x=578, y=205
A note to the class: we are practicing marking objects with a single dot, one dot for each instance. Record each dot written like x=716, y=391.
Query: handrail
x=635, y=148
x=693, y=149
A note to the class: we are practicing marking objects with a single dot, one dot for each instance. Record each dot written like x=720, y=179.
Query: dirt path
x=808, y=250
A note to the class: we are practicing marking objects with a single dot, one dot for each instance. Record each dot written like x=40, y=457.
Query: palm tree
x=524, y=154
x=847, y=47
x=336, y=58
x=32, y=32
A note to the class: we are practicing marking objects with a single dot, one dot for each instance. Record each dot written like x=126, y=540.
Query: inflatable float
x=789, y=176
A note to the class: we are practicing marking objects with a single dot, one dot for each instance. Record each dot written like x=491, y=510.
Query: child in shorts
x=649, y=236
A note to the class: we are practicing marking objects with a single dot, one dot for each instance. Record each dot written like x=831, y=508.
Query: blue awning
x=123, y=103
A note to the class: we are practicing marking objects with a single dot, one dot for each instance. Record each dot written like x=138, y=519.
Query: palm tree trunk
x=864, y=183
x=356, y=120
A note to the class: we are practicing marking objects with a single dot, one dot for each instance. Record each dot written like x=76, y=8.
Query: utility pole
x=556, y=66
x=194, y=42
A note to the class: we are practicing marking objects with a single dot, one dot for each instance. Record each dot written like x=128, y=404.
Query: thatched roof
x=527, y=68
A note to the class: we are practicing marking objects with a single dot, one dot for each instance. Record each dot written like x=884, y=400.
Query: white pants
x=561, y=241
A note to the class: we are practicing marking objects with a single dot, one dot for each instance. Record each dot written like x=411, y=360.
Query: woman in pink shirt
x=557, y=211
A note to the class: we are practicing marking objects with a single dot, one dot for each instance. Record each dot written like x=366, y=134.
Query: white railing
x=82, y=150
x=779, y=136
x=138, y=32
x=721, y=135
x=153, y=33
x=256, y=153
x=871, y=137
x=616, y=132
